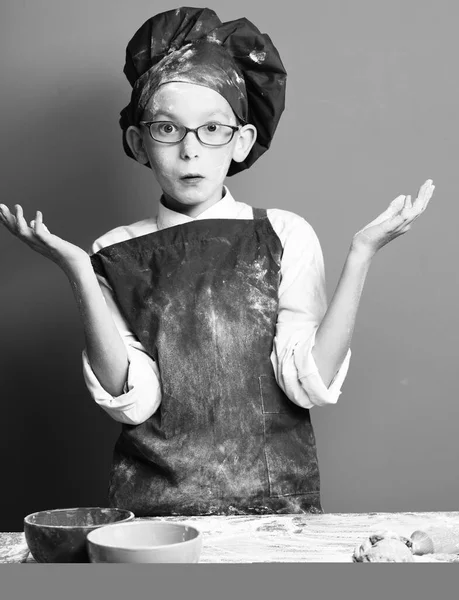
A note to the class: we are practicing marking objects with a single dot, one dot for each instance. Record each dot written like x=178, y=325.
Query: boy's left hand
x=394, y=221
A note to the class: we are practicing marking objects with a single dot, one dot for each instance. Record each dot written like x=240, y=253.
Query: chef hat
x=232, y=58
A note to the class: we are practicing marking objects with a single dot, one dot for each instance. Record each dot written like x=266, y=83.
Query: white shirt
x=302, y=305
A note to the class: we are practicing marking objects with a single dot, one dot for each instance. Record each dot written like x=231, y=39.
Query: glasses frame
x=189, y=130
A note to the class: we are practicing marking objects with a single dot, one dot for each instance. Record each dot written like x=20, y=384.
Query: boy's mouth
x=191, y=178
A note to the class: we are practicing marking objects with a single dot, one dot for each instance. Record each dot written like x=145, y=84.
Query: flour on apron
x=203, y=298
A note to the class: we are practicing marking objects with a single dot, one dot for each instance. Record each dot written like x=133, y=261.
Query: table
x=282, y=538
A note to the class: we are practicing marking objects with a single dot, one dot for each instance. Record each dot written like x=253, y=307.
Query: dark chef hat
x=232, y=58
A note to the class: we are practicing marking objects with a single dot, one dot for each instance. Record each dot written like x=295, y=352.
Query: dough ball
x=386, y=546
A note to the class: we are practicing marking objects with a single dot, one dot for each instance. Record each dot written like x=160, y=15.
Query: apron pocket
x=290, y=445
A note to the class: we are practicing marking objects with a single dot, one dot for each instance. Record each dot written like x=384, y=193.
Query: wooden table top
x=282, y=538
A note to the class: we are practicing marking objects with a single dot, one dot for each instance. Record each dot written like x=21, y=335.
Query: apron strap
x=259, y=213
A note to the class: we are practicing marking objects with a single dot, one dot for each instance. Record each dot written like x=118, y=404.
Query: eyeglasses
x=210, y=134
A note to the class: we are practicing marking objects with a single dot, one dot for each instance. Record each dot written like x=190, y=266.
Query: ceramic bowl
x=145, y=542
x=60, y=535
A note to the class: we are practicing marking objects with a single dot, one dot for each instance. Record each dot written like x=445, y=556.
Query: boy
x=207, y=332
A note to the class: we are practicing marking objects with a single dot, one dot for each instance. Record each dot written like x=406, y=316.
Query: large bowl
x=60, y=535
x=145, y=542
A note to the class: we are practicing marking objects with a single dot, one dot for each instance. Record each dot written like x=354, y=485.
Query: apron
x=202, y=298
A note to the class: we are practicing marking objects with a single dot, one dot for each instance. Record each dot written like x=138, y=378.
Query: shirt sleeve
x=141, y=396
x=302, y=306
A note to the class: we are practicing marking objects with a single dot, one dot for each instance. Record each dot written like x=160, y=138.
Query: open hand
x=396, y=220
x=38, y=237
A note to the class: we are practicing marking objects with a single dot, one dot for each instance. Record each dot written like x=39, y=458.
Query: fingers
x=398, y=207
x=423, y=198
x=425, y=194
x=401, y=219
x=16, y=220
x=17, y=224
x=410, y=211
x=21, y=224
x=393, y=208
x=407, y=207
x=40, y=229
x=6, y=217
x=397, y=204
x=420, y=204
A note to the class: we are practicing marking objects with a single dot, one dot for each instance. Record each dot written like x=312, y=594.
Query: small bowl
x=145, y=542
x=60, y=535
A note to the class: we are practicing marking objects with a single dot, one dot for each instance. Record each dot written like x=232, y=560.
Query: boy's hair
x=233, y=58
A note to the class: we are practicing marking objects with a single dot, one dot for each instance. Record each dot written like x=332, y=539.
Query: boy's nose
x=190, y=145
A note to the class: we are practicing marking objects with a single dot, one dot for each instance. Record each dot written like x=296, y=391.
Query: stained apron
x=202, y=298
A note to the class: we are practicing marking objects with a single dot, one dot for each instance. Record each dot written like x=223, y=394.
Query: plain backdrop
x=372, y=111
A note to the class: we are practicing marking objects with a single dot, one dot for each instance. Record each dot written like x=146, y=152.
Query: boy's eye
x=211, y=127
x=167, y=128
x=166, y=131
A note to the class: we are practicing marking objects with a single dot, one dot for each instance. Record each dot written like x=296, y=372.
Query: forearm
x=333, y=336
x=104, y=346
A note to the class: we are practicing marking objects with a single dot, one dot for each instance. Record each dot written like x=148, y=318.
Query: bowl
x=145, y=542
x=60, y=535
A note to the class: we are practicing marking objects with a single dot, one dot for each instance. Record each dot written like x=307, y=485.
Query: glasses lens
x=214, y=134
x=166, y=131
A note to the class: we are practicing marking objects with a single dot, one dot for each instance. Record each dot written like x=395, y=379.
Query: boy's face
x=192, y=105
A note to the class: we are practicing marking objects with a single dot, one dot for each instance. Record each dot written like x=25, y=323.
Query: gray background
x=371, y=113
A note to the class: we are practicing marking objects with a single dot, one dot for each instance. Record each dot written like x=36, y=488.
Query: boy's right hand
x=36, y=235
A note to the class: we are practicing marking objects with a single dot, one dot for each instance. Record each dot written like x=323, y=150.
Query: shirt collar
x=226, y=208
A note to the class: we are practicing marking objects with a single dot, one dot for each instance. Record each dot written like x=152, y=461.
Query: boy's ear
x=244, y=143
x=135, y=143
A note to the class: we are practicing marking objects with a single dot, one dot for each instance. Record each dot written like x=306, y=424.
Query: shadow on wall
x=56, y=443
x=56, y=446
